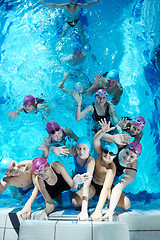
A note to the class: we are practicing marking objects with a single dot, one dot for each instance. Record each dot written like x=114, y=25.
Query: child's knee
x=76, y=201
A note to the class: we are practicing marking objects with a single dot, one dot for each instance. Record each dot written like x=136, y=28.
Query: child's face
x=111, y=82
x=107, y=157
x=135, y=130
x=77, y=55
x=82, y=151
x=126, y=156
x=45, y=174
x=13, y=169
x=101, y=99
x=57, y=136
x=28, y=108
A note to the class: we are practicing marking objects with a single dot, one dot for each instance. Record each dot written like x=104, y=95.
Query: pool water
x=122, y=34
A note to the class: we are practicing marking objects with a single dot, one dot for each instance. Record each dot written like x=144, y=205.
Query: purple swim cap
x=101, y=91
x=38, y=164
x=139, y=121
x=51, y=126
x=29, y=100
x=135, y=147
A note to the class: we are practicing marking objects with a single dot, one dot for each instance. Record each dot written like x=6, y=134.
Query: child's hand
x=81, y=178
x=97, y=79
x=96, y=216
x=44, y=146
x=59, y=151
x=77, y=97
x=105, y=126
x=122, y=139
x=123, y=123
x=12, y=114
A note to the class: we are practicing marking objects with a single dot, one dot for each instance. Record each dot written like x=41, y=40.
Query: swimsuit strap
x=131, y=168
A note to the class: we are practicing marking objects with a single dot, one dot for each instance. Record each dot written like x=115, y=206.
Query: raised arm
x=96, y=83
x=53, y=5
x=3, y=184
x=70, y=133
x=113, y=114
x=85, y=5
x=105, y=127
x=79, y=114
x=105, y=193
x=14, y=114
x=60, y=85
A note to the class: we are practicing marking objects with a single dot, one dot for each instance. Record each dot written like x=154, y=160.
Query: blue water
x=122, y=34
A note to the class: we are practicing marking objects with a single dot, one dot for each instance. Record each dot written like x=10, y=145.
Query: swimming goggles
x=139, y=122
x=107, y=151
x=136, y=151
x=101, y=92
x=41, y=167
x=55, y=130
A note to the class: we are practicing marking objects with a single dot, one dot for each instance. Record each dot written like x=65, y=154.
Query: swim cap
x=135, y=147
x=112, y=147
x=139, y=121
x=77, y=48
x=79, y=87
x=4, y=162
x=51, y=126
x=101, y=91
x=114, y=75
x=38, y=164
x=84, y=140
x=29, y=100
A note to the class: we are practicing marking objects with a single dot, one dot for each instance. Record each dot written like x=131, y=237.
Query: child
x=109, y=80
x=100, y=109
x=20, y=177
x=56, y=139
x=84, y=163
x=134, y=128
x=31, y=105
x=72, y=15
x=51, y=180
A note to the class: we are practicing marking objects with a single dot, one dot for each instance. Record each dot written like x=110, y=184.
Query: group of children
x=116, y=152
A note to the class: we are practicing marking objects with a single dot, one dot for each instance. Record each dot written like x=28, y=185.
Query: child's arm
x=3, y=184
x=79, y=114
x=105, y=193
x=60, y=85
x=83, y=216
x=85, y=5
x=53, y=5
x=14, y=114
x=96, y=84
x=113, y=114
x=70, y=133
x=105, y=128
x=44, y=146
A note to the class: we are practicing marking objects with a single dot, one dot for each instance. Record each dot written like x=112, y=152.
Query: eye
x=13, y=165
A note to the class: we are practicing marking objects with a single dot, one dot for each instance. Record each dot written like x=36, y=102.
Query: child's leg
x=81, y=31
x=65, y=29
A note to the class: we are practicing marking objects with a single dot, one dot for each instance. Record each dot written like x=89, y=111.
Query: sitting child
x=31, y=105
x=84, y=163
x=51, y=180
x=56, y=139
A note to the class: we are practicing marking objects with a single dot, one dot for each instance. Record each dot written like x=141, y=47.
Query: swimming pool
x=120, y=35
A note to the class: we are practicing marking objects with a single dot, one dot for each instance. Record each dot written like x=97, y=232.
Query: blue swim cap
x=112, y=147
x=84, y=140
x=4, y=162
x=114, y=75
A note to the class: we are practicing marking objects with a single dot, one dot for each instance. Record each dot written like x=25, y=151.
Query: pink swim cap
x=139, y=121
x=135, y=147
x=38, y=164
x=52, y=126
x=101, y=91
x=29, y=100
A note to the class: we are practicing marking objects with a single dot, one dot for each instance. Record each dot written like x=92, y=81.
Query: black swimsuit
x=97, y=118
x=73, y=23
x=60, y=186
x=97, y=187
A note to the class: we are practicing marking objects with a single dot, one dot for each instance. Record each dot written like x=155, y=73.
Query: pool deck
x=138, y=223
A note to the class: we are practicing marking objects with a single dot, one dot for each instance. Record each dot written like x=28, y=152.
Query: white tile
x=145, y=235
x=110, y=231
x=1, y=233
x=37, y=230
x=141, y=222
x=71, y=230
x=10, y=234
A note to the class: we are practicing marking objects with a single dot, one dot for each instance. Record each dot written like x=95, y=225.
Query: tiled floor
x=142, y=222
